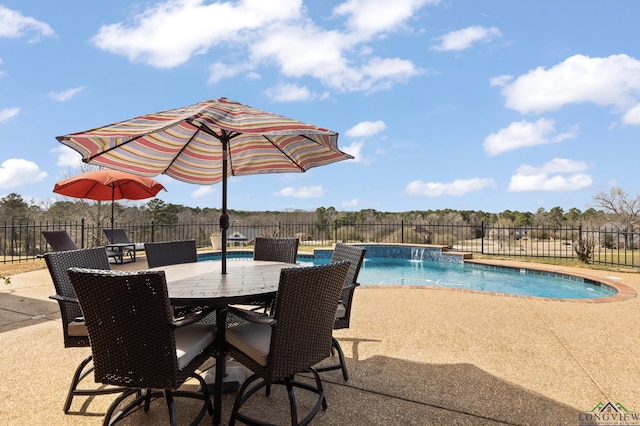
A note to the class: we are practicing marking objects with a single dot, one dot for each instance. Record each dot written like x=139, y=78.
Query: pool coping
x=624, y=292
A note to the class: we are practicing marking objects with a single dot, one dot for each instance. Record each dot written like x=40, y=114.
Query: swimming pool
x=524, y=282
x=421, y=271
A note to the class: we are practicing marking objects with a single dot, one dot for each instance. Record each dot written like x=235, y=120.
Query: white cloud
x=350, y=203
x=522, y=134
x=289, y=93
x=559, y=174
x=456, y=188
x=219, y=71
x=542, y=182
x=368, y=17
x=277, y=34
x=14, y=24
x=167, y=34
x=203, y=191
x=557, y=165
x=500, y=80
x=303, y=192
x=16, y=172
x=355, y=149
x=366, y=128
x=382, y=73
x=632, y=116
x=310, y=51
x=464, y=38
x=7, y=113
x=68, y=157
x=65, y=95
x=610, y=81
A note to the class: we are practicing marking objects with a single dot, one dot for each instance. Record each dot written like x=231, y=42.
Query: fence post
x=13, y=233
x=580, y=232
x=632, y=244
x=153, y=232
x=82, y=232
x=482, y=237
x=402, y=231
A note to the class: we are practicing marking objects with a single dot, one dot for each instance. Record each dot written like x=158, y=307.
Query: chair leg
x=292, y=402
x=318, y=390
x=144, y=398
x=241, y=397
x=81, y=372
x=341, y=364
x=77, y=376
x=319, y=387
x=147, y=401
x=203, y=395
x=108, y=417
x=172, y=408
x=245, y=392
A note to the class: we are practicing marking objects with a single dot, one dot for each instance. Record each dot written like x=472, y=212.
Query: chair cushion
x=341, y=312
x=76, y=328
x=191, y=340
x=252, y=339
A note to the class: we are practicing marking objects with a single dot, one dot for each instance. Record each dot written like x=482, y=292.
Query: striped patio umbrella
x=205, y=142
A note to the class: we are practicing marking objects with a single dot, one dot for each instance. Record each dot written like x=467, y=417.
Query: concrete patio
x=415, y=357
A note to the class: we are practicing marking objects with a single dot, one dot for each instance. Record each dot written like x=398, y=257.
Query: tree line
x=615, y=208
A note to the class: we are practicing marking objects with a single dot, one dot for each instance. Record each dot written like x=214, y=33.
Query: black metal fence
x=24, y=241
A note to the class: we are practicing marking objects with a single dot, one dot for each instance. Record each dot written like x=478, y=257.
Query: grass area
x=558, y=261
x=628, y=257
x=8, y=269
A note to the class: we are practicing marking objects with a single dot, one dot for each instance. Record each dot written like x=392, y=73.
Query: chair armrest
x=347, y=290
x=251, y=316
x=350, y=286
x=60, y=298
x=190, y=319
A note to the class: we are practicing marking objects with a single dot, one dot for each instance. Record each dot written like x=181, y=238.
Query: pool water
x=399, y=272
x=407, y=272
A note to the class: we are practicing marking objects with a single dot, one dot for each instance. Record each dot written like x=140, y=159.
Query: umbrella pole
x=113, y=199
x=224, y=218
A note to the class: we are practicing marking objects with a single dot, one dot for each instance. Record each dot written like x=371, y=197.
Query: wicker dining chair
x=274, y=250
x=170, y=252
x=355, y=255
x=292, y=341
x=74, y=329
x=173, y=253
x=136, y=343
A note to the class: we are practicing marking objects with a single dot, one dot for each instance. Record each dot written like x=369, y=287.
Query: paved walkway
x=415, y=357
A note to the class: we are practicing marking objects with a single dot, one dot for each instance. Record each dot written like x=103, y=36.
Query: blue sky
x=466, y=105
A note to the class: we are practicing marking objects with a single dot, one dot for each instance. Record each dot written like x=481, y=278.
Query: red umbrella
x=107, y=184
